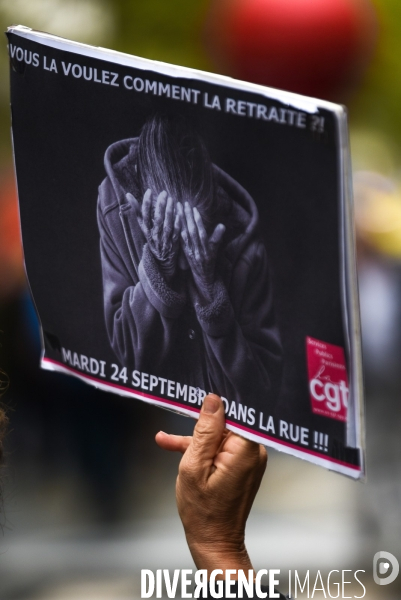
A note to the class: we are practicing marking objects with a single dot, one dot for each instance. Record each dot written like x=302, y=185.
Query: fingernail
x=211, y=405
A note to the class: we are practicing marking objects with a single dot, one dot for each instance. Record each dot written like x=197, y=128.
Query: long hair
x=173, y=157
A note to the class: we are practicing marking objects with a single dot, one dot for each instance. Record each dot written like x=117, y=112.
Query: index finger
x=173, y=443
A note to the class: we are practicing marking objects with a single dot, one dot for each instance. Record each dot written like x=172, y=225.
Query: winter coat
x=230, y=346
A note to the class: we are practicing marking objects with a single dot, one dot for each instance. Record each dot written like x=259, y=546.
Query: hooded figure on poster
x=187, y=289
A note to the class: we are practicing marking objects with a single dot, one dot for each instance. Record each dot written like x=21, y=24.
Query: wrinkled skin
x=218, y=478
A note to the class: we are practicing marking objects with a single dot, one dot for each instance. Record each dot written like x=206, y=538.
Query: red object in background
x=313, y=47
x=12, y=275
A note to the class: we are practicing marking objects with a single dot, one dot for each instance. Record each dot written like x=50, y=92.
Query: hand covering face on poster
x=185, y=274
x=200, y=250
x=162, y=233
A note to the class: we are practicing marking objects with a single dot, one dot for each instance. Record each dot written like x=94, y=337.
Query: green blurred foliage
x=169, y=31
x=377, y=104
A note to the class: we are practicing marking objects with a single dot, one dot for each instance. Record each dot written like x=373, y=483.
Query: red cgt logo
x=328, y=381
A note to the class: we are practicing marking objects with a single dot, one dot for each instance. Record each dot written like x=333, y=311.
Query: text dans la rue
x=147, y=384
x=208, y=100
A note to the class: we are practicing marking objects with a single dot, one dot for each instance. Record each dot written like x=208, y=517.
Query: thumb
x=208, y=432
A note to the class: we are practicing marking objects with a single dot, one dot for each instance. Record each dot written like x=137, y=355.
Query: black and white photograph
x=187, y=233
x=186, y=283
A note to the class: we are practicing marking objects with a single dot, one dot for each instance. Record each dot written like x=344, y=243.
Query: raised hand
x=219, y=476
x=162, y=232
x=200, y=249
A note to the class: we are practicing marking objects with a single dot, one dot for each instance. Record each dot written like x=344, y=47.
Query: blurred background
x=88, y=497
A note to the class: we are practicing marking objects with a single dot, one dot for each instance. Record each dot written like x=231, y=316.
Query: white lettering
x=230, y=106
x=251, y=416
x=312, y=386
x=153, y=382
x=216, y=589
x=181, y=390
x=94, y=366
x=273, y=582
x=171, y=586
x=233, y=410
x=332, y=392
x=284, y=429
x=150, y=86
x=128, y=82
x=244, y=583
x=185, y=582
x=258, y=578
x=304, y=436
x=113, y=81
x=301, y=587
x=144, y=381
x=66, y=355
x=229, y=583
x=136, y=381
x=170, y=388
x=164, y=89
x=139, y=84
x=147, y=583
x=335, y=584
x=76, y=71
x=201, y=583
